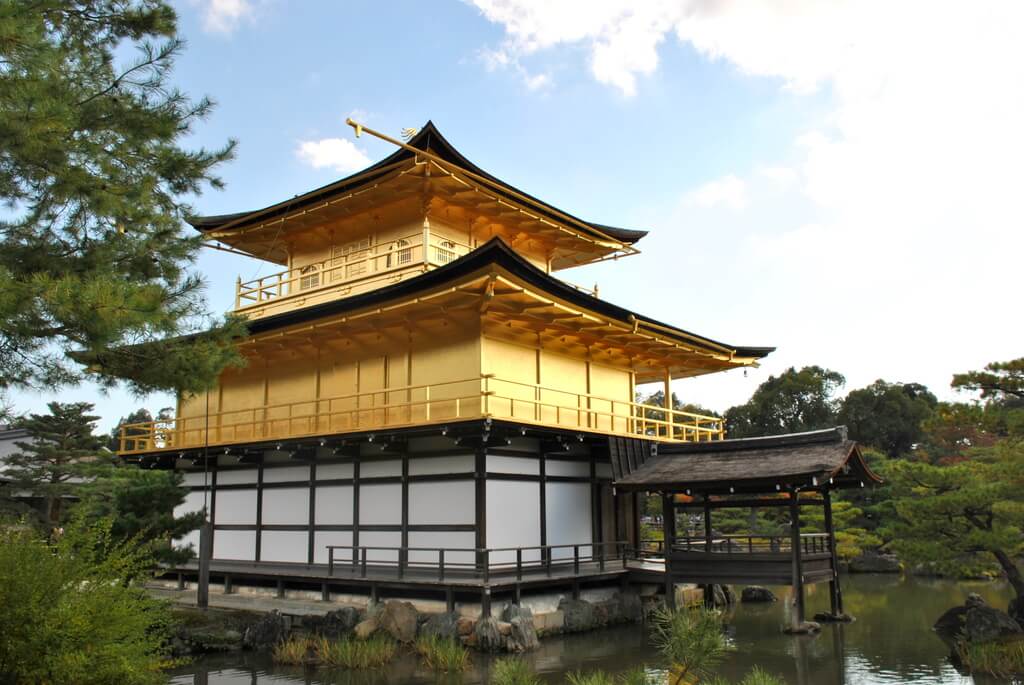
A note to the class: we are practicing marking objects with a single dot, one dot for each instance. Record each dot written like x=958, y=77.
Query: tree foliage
x=791, y=402
x=1000, y=381
x=93, y=260
x=954, y=516
x=72, y=611
x=887, y=416
x=58, y=455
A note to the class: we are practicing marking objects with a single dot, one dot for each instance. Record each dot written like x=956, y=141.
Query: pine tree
x=94, y=278
x=58, y=456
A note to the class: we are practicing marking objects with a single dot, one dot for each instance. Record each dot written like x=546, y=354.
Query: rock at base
x=464, y=626
x=874, y=562
x=756, y=593
x=266, y=632
x=399, y=619
x=1016, y=610
x=985, y=624
x=335, y=624
x=578, y=615
x=441, y=625
x=365, y=629
x=825, y=617
x=487, y=636
x=802, y=629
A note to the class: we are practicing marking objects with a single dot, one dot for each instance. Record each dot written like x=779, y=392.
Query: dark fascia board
x=494, y=252
x=428, y=137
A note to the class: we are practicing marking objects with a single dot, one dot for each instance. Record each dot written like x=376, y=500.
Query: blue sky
x=830, y=178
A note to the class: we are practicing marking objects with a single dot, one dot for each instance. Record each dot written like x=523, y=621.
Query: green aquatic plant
x=634, y=676
x=513, y=671
x=347, y=653
x=1002, y=658
x=443, y=653
x=292, y=652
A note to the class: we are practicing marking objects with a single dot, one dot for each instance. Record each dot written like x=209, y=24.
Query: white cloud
x=728, y=191
x=334, y=153
x=887, y=239
x=224, y=16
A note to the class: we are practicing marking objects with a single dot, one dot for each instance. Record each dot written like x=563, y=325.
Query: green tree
x=58, y=456
x=887, y=416
x=141, y=504
x=138, y=416
x=791, y=402
x=1000, y=381
x=852, y=540
x=951, y=517
x=73, y=613
x=94, y=262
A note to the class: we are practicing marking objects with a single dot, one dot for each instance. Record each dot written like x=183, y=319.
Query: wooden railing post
x=440, y=564
x=362, y=551
x=330, y=561
x=576, y=560
x=519, y=563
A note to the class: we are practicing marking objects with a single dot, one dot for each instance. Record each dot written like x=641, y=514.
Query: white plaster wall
x=513, y=518
x=463, y=463
x=333, y=537
x=234, y=544
x=450, y=502
x=333, y=471
x=281, y=474
x=521, y=465
x=194, y=478
x=375, y=469
x=380, y=504
x=380, y=539
x=193, y=502
x=236, y=507
x=579, y=469
x=284, y=545
x=568, y=517
x=237, y=476
x=286, y=506
x=334, y=505
x=447, y=540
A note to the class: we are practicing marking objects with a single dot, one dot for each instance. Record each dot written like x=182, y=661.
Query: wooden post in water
x=668, y=526
x=205, y=554
x=709, y=593
x=834, y=589
x=797, y=617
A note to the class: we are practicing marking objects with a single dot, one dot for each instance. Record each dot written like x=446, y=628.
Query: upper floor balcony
x=486, y=396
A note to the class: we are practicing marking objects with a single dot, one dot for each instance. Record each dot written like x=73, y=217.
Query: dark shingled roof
x=428, y=137
x=754, y=465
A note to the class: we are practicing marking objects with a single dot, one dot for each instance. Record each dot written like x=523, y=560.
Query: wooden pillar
x=480, y=470
x=404, y=552
x=668, y=517
x=205, y=554
x=543, y=504
x=259, y=512
x=311, y=539
x=834, y=589
x=355, y=508
x=709, y=595
x=797, y=617
x=668, y=404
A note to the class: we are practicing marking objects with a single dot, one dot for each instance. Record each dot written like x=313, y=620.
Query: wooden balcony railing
x=359, y=266
x=486, y=396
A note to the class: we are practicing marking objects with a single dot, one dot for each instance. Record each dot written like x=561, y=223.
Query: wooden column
x=668, y=518
x=259, y=512
x=543, y=504
x=797, y=617
x=311, y=541
x=355, y=509
x=834, y=589
x=403, y=558
x=709, y=595
x=481, y=504
x=205, y=554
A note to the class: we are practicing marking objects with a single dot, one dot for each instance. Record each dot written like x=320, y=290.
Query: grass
x=1002, y=658
x=346, y=653
x=443, y=653
x=512, y=671
x=636, y=676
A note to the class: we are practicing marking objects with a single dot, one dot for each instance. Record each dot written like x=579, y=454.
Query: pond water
x=890, y=642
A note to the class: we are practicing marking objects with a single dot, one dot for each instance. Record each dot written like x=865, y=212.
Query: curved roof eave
x=428, y=137
x=495, y=251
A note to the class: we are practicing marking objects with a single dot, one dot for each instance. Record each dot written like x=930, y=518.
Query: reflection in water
x=890, y=642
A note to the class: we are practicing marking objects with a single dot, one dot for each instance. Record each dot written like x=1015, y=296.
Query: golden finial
x=408, y=133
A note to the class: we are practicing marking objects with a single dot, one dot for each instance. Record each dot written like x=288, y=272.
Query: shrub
x=512, y=671
x=347, y=653
x=1001, y=658
x=690, y=640
x=636, y=676
x=443, y=653
x=293, y=651
x=72, y=612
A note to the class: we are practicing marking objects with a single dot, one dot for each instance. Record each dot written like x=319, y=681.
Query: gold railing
x=481, y=397
x=358, y=266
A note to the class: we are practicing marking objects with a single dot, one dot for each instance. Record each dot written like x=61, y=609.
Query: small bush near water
x=443, y=653
x=346, y=653
x=513, y=671
x=1001, y=658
